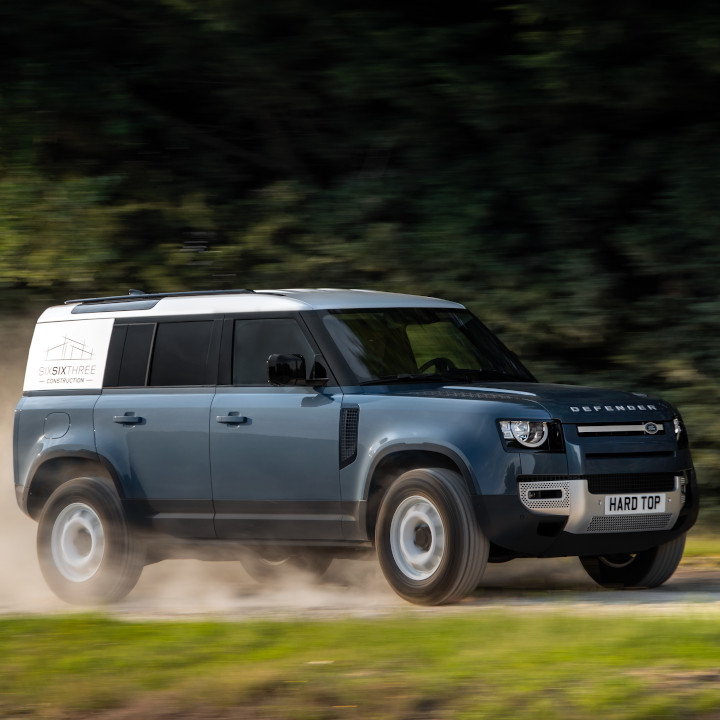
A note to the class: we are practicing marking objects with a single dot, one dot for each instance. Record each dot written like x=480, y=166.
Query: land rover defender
x=291, y=427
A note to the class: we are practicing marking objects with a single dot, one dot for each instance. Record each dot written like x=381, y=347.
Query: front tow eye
x=423, y=537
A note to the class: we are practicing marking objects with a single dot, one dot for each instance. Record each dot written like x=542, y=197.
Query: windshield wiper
x=454, y=375
x=406, y=377
x=479, y=375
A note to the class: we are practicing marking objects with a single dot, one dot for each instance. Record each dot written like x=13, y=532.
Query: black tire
x=269, y=567
x=86, y=549
x=647, y=569
x=430, y=547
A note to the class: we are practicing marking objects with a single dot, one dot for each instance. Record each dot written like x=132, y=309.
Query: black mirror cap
x=286, y=370
x=318, y=375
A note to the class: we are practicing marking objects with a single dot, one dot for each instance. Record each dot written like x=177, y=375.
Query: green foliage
x=553, y=164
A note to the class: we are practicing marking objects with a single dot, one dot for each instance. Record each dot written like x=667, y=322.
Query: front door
x=274, y=450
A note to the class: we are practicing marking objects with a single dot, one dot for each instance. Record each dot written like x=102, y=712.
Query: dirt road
x=357, y=589
x=184, y=588
x=193, y=589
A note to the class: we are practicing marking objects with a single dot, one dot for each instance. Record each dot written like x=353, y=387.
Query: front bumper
x=553, y=516
x=581, y=502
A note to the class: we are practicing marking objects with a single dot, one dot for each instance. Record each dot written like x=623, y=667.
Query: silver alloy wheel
x=78, y=542
x=417, y=537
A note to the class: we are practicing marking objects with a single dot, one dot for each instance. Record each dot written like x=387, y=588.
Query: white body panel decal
x=68, y=355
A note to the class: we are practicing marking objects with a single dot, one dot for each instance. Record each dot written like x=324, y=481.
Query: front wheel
x=428, y=542
x=86, y=549
x=647, y=569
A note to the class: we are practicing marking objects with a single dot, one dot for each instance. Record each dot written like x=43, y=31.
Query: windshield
x=407, y=344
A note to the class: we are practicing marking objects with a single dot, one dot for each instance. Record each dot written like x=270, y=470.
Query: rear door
x=151, y=422
x=274, y=450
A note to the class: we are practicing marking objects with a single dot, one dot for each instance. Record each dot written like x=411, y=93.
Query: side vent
x=349, y=417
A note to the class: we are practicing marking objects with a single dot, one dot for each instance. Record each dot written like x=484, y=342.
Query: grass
x=487, y=664
x=703, y=544
x=523, y=663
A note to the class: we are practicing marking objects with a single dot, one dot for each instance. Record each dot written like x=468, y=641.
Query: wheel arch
x=55, y=471
x=394, y=461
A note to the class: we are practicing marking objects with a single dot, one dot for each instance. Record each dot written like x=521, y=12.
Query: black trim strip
x=140, y=296
x=275, y=508
x=64, y=391
x=108, y=307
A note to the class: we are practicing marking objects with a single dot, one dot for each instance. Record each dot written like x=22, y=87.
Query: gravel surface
x=193, y=589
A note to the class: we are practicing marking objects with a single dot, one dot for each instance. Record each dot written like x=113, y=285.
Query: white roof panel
x=290, y=300
x=332, y=299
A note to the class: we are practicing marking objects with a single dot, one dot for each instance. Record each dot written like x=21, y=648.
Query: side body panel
x=160, y=454
x=275, y=473
x=47, y=427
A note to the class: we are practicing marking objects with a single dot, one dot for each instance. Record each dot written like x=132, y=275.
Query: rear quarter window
x=181, y=353
x=164, y=354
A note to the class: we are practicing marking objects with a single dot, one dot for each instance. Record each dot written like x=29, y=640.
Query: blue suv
x=291, y=427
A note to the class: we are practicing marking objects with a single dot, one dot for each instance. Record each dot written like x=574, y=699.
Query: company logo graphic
x=70, y=362
x=69, y=350
x=67, y=355
x=651, y=428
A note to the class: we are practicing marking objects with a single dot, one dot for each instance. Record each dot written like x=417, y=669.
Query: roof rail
x=135, y=295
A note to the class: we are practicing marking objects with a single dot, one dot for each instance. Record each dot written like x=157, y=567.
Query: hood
x=571, y=403
x=568, y=403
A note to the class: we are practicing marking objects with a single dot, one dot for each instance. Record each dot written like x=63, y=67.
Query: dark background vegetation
x=553, y=164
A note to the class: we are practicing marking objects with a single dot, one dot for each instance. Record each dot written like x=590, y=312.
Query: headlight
x=680, y=432
x=529, y=433
x=678, y=428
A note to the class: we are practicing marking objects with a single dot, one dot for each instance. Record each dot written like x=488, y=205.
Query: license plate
x=636, y=503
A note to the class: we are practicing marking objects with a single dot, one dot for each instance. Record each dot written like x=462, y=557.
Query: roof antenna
x=132, y=291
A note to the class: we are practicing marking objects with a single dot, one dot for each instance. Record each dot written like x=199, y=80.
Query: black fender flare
x=422, y=449
x=64, y=455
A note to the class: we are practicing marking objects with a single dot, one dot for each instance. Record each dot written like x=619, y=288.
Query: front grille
x=620, y=430
x=613, y=484
x=629, y=523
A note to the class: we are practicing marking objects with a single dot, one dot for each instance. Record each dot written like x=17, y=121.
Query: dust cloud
x=172, y=587
x=22, y=588
x=190, y=588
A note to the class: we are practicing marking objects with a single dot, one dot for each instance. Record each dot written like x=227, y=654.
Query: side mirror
x=318, y=374
x=286, y=370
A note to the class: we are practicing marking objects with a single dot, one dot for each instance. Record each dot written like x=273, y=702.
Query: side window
x=128, y=355
x=255, y=340
x=180, y=356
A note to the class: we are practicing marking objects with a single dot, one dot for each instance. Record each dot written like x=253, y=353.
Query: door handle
x=232, y=419
x=127, y=419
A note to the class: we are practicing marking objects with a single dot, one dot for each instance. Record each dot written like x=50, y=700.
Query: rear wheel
x=86, y=549
x=647, y=569
x=429, y=545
